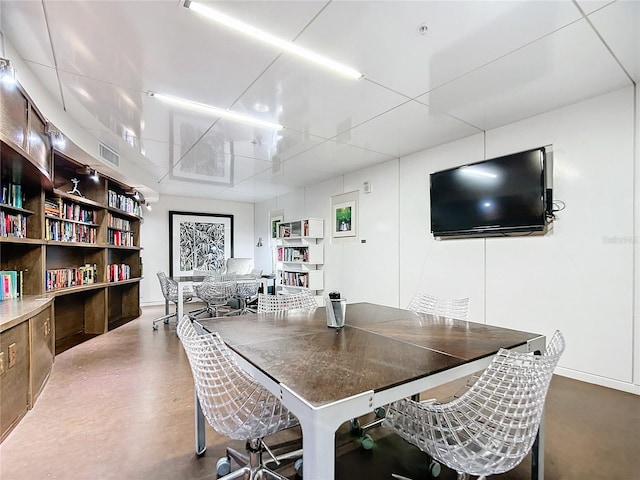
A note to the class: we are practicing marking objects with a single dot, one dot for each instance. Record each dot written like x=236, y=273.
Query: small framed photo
x=275, y=224
x=344, y=219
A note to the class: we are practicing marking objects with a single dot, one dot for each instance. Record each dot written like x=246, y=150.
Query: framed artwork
x=199, y=152
x=275, y=223
x=199, y=241
x=344, y=219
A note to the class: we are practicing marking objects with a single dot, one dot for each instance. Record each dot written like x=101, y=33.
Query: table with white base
x=327, y=377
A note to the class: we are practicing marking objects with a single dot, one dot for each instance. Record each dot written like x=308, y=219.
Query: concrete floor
x=120, y=406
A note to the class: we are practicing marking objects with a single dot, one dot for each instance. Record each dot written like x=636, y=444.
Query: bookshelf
x=300, y=256
x=70, y=253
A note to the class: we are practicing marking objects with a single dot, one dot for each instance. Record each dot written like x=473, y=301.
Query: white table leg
x=319, y=451
x=201, y=443
x=179, y=307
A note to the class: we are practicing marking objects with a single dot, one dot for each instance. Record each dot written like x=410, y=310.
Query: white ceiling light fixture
x=265, y=37
x=215, y=111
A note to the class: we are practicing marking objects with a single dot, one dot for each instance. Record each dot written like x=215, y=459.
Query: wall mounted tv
x=503, y=195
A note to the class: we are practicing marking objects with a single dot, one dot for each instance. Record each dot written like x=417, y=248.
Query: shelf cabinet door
x=38, y=144
x=14, y=110
x=42, y=351
x=14, y=380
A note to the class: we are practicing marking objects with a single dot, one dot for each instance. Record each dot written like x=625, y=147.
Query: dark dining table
x=328, y=376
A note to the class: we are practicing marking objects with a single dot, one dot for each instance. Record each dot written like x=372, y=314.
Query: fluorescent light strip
x=215, y=111
x=273, y=40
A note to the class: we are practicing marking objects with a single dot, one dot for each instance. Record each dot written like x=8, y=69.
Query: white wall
x=579, y=278
x=155, y=236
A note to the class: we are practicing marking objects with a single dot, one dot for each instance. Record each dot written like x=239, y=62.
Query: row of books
x=57, y=207
x=11, y=284
x=120, y=239
x=118, y=223
x=12, y=194
x=289, y=254
x=71, y=277
x=295, y=279
x=12, y=225
x=117, y=272
x=124, y=203
x=62, y=231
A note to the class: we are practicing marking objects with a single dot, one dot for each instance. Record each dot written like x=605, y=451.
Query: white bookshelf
x=300, y=256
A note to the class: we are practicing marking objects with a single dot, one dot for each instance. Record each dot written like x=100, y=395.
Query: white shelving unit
x=300, y=257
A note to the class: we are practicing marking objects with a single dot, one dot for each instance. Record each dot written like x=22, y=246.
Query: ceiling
x=479, y=65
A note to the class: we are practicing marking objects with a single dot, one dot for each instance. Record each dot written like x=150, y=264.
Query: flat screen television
x=501, y=195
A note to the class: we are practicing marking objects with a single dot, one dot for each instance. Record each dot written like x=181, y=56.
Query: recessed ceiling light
x=265, y=37
x=215, y=111
x=261, y=107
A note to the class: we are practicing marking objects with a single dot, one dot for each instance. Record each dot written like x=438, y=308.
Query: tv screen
x=500, y=195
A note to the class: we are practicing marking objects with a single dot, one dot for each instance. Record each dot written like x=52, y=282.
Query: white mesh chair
x=492, y=426
x=280, y=303
x=169, y=289
x=233, y=403
x=457, y=308
x=247, y=292
x=216, y=294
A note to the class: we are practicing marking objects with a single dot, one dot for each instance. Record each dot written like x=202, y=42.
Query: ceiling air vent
x=109, y=155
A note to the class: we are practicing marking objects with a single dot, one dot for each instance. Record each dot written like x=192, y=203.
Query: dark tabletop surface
x=379, y=347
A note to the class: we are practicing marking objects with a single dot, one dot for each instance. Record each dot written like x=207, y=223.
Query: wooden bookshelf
x=45, y=320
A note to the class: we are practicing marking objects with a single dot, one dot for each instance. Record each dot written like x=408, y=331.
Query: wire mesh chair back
x=221, y=277
x=247, y=288
x=233, y=403
x=281, y=303
x=492, y=426
x=169, y=287
x=204, y=273
x=215, y=293
x=457, y=308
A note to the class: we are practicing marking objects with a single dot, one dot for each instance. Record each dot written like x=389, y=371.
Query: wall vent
x=109, y=155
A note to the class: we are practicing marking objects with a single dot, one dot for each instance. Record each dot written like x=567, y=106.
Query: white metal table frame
x=319, y=424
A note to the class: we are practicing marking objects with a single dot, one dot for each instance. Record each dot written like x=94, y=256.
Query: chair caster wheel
x=155, y=327
x=298, y=467
x=354, y=427
x=223, y=466
x=434, y=469
x=380, y=412
x=367, y=441
x=166, y=322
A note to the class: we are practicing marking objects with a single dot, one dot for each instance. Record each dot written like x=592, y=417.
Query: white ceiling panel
x=26, y=21
x=405, y=129
x=561, y=69
x=307, y=98
x=382, y=39
x=589, y=6
x=619, y=25
x=337, y=158
x=49, y=78
x=480, y=64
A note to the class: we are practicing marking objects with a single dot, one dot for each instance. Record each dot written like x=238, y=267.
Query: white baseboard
x=152, y=303
x=597, y=380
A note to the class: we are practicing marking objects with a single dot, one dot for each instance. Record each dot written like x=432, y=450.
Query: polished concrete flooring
x=120, y=406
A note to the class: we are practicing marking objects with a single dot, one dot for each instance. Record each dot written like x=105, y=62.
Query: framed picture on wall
x=199, y=241
x=344, y=219
x=275, y=223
